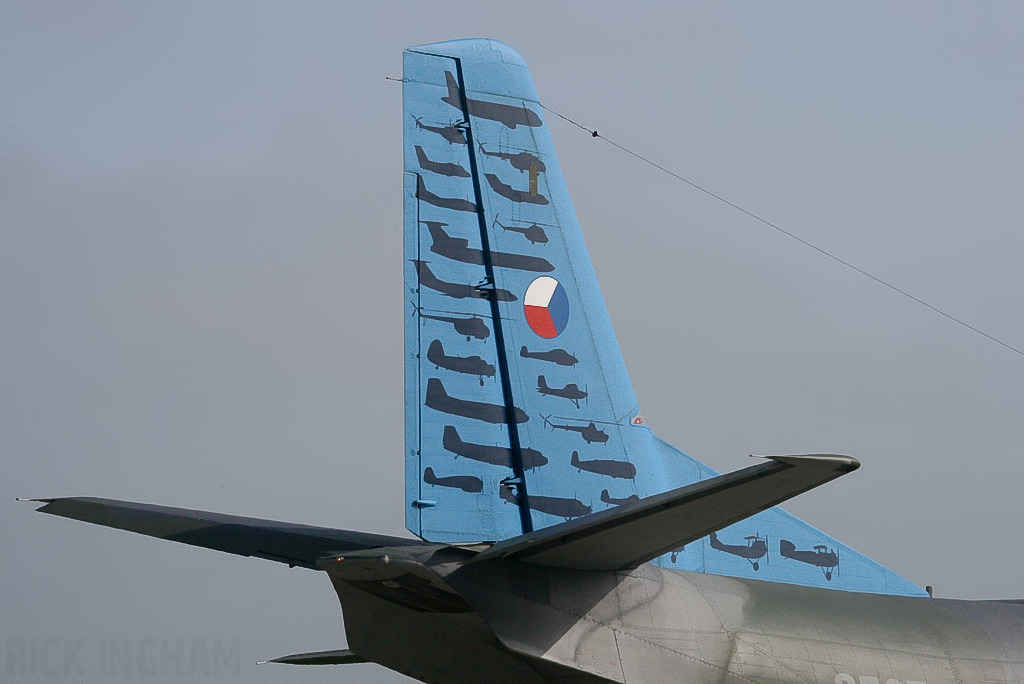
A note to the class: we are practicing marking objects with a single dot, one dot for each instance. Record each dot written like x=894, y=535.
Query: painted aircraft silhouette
x=753, y=551
x=589, y=432
x=820, y=556
x=521, y=161
x=458, y=290
x=607, y=498
x=604, y=466
x=559, y=356
x=471, y=326
x=530, y=196
x=524, y=568
x=572, y=391
x=509, y=115
x=471, y=365
x=486, y=453
x=453, y=134
x=440, y=168
x=459, y=250
x=534, y=233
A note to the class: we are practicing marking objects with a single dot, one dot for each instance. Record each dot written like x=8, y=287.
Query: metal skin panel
x=485, y=198
x=427, y=646
x=669, y=625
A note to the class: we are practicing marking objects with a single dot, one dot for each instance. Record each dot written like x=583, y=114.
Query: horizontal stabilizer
x=339, y=657
x=634, y=533
x=277, y=541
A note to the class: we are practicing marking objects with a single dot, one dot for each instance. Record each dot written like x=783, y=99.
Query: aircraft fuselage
x=659, y=625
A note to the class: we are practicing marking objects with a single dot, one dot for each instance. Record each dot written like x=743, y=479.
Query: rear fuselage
x=656, y=625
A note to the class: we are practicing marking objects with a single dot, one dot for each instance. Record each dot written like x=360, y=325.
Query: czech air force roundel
x=546, y=306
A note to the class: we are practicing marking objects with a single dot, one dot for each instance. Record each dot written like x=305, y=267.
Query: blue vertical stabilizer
x=519, y=411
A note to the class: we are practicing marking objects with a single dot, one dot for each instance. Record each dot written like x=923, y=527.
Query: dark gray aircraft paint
x=453, y=203
x=755, y=548
x=284, y=542
x=572, y=391
x=458, y=249
x=453, y=134
x=470, y=365
x=450, y=169
x=470, y=327
x=508, y=192
x=589, y=432
x=609, y=499
x=521, y=161
x=559, y=356
x=620, y=469
x=447, y=246
x=470, y=484
x=521, y=262
x=534, y=233
x=459, y=290
x=495, y=455
x=820, y=556
x=552, y=505
x=439, y=400
x=509, y=115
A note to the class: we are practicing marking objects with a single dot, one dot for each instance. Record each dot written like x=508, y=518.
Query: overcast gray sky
x=200, y=268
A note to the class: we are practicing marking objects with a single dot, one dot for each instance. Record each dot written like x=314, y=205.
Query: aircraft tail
x=488, y=456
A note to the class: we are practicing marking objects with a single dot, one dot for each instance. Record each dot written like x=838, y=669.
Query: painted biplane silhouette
x=820, y=556
x=753, y=551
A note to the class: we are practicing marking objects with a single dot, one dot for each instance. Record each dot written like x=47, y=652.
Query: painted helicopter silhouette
x=534, y=233
x=589, y=432
x=521, y=161
x=453, y=134
x=472, y=326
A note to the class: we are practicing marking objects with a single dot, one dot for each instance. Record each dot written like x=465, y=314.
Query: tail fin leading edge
x=514, y=379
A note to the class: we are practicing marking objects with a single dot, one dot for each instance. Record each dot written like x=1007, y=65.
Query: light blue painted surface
x=460, y=498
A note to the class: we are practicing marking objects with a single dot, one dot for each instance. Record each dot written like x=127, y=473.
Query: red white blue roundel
x=546, y=306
